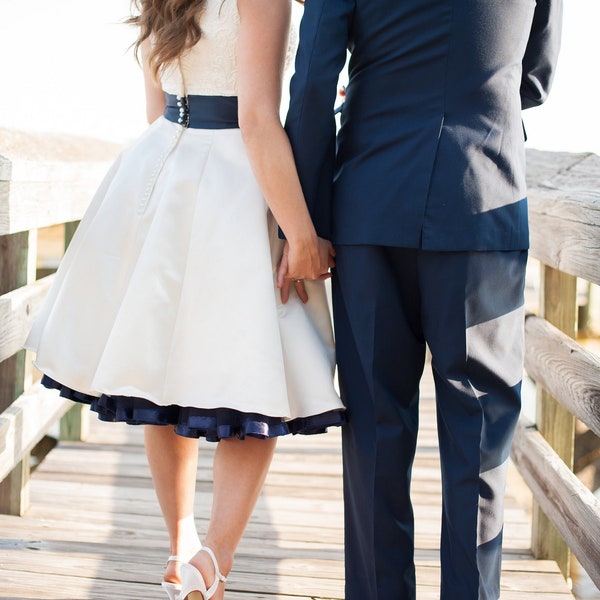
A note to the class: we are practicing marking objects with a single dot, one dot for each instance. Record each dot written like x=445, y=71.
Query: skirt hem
x=213, y=424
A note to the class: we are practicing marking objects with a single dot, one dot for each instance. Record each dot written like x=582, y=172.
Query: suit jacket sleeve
x=310, y=122
x=540, y=58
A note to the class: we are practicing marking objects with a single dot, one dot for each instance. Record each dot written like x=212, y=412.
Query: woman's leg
x=173, y=461
x=239, y=471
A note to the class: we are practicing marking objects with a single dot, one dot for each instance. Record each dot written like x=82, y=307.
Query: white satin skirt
x=165, y=310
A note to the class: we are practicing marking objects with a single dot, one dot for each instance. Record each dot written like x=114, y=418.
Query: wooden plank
x=5, y=168
x=59, y=587
x=33, y=205
x=272, y=557
x=296, y=577
x=25, y=422
x=17, y=268
x=325, y=530
x=18, y=309
x=14, y=251
x=564, y=212
x=543, y=166
x=256, y=574
x=565, y=231
x=46, y=179
x=582, y=175
x=572, y=508
x=95, y=524
x=569, y=372
x=23, y=153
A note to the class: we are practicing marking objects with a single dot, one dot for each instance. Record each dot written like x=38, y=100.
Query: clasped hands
x=301, y=261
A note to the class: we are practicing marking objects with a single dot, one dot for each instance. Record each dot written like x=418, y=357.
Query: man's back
x=430, y=152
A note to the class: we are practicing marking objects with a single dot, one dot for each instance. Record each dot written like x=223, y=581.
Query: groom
x=423, y=194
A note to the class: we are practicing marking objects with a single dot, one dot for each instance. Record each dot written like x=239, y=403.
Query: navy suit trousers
x=468, y=308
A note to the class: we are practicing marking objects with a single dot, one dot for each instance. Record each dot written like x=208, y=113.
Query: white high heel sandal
x=193, y=582
x=173, y=589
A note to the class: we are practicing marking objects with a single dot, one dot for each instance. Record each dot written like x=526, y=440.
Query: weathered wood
x=573, y=509
x=8, y=382
x=567, y=371
x=25, y=422
x=564, y=212
x=560, y=235
x=75, y=423
x=14, y=489
x=70, y=229
x=41, y=204
x=59, y=587
x=558, y=305
x=543, y=166
x=14, y=252
x=17, y=268
x=18, y=309
x=95, y=519
x=46, y=179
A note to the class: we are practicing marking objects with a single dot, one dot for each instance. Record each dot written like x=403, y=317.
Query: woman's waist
x=202, y=112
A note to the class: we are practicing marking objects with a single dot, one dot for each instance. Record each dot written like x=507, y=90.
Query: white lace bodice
x=210, y=67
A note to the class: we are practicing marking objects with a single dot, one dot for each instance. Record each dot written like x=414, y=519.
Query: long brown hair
x=173, y=26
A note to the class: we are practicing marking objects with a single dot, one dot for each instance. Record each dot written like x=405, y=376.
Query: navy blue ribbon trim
x=212, y=424
x=202, y=112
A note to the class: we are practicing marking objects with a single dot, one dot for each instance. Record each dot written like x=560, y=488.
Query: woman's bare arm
x=264, y=29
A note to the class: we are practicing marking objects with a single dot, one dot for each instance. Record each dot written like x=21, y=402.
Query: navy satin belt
x=202, y=112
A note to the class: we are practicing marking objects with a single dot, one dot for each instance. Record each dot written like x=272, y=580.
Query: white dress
x=164, y=309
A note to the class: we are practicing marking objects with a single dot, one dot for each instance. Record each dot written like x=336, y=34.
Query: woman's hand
x=262, y=47
x=302, y=261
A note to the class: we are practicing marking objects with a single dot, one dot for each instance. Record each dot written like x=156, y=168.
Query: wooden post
x=13, y=274
x=14, y=490
x=558, y=305
x=74, y=426
x=18, y=254
x=70, y=229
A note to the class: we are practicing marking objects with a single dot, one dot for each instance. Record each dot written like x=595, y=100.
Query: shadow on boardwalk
x=94, y=530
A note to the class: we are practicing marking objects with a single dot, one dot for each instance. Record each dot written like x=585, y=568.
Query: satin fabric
x=167, y=291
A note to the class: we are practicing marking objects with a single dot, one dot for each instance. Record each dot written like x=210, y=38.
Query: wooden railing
x=45, y=180
x=564, y=214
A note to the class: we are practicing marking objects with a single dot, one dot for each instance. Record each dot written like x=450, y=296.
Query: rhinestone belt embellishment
x=184, y=111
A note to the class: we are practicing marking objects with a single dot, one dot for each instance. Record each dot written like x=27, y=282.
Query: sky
x=68, y=69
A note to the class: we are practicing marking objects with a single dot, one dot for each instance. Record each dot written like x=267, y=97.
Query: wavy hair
x=171, y=24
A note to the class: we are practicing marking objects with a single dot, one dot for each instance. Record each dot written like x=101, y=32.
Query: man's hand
x=296, y=265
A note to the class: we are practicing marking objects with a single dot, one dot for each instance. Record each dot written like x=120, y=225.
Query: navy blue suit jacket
x=430, y=153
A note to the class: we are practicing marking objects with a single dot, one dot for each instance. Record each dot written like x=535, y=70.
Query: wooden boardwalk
x=94, y=529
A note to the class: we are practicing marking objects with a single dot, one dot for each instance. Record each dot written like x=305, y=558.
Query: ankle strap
x=176, y=558
x=218, y=576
